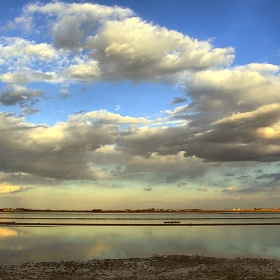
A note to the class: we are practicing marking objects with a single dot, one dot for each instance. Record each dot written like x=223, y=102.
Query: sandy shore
x=157, y=267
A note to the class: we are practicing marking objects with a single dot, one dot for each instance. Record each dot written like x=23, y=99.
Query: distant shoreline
x=258, y=210
x=140, y=224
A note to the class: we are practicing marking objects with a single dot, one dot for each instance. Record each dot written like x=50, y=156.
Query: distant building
x=7, y=209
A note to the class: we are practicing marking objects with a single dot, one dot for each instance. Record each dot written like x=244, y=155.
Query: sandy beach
x=156, y=267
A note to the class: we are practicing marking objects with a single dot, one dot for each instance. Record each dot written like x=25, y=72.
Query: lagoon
x=62, y=243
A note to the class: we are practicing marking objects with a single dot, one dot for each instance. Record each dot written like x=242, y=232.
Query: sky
x=139, y=104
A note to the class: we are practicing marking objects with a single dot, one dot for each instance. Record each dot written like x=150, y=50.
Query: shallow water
x=137, y=218
x=57, y=243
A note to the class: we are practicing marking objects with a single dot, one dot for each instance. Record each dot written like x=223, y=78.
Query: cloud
x=232, y=116
x=88, y=147
x=165, y=169
x=14, y=78
x=136, y=50
x=261, y=117
x=181, y=184
x=79, y=112
x=8, y=188
x=237, y=89
x=179, y=111
x=124, y=42
x=60, y=151
x=71, y=23
x=15, y=47
x=51, y=152
x=202, y=189
x=243, y=177
x=230, y=190
x=28, y=110
x=215, y=135
x=87, y=42
x=177, y=100
x=83, y=72
x=110, y=44
x=17, y=94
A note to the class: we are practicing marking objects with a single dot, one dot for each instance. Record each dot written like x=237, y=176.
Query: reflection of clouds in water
x=8, y=241
x=127, y=242
x=83, y=243
x=98, y=250
x=7, y=232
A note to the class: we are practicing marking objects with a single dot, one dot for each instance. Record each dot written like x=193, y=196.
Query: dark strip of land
x=140, y=224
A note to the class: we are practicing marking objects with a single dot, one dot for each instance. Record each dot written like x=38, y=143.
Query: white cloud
x=178, y=110
x=110, y=44
x=103, y=116
x=82, y=10
x=16, y=47
x=84, y=72
x=15, y=78
x=74, y=21
x=237, y=89
x=136, y=50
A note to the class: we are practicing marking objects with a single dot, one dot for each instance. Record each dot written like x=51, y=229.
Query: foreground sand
x=157, y=267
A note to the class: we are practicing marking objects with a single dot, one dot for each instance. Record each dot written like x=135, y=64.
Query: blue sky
x=139, y=104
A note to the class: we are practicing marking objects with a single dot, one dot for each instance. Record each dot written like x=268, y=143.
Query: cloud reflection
x=84, y=243
x=7, y=232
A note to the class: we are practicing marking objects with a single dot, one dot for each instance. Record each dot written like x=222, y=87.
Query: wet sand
x=156, y=267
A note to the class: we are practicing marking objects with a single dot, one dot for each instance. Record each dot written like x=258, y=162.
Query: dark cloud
x=243, y=177
x=67, y=34
x=13, y=95
x=181, y=184
x=202, y=189
x=79, y=112
x=230, y=190
x=254, y=188
x=51, y=152
x=178, y=100
x=28, y=110
x=271, y=179
x=259, y=171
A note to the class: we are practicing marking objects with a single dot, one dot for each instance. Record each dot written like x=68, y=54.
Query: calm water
x=56, y=243
x=137, y=218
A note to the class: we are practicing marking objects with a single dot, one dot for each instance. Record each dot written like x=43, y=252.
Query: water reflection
x=20, y=244
x=7, y=232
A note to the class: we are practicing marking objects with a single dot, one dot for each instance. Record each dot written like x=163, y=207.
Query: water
x=57, y=243
x=48, y=218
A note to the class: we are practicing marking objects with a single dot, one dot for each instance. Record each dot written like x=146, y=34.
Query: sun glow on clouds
x=223, y=116
x=7, y=188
